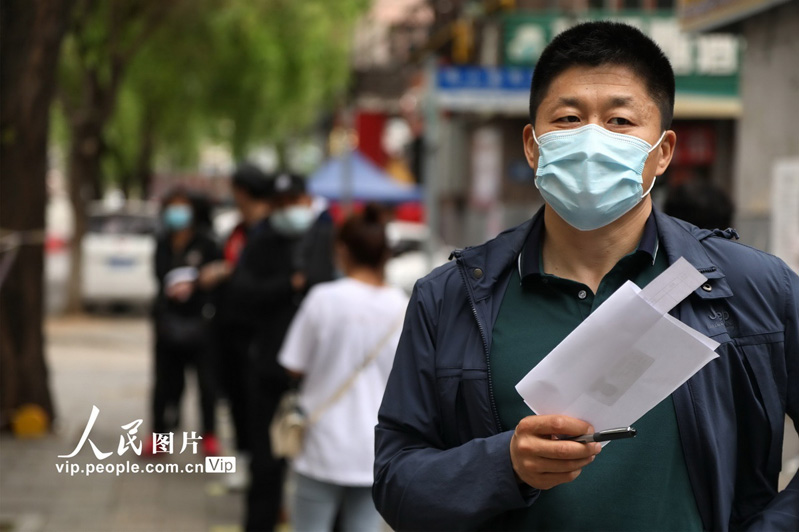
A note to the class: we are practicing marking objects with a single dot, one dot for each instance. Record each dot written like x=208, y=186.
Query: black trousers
x=171, y=363
x=232, y=368
x=267, y=474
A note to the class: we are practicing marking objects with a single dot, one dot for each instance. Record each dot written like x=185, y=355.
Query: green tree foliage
x=279, y=62
x=236, y=71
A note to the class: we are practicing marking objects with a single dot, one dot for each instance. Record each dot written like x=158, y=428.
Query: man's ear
x=665, y=151
x=530, y=147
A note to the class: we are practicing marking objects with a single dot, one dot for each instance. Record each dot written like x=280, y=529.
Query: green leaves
x=178, y=71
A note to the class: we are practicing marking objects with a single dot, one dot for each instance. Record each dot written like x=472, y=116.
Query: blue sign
x=484, y=89
x=485, y=78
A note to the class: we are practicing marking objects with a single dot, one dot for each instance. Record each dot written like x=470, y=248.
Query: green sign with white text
x=704, y=65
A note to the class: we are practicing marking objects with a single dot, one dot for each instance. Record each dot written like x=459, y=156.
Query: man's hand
x=298, y=282
x=541, y=460
x=180, y=291
x=213, y=273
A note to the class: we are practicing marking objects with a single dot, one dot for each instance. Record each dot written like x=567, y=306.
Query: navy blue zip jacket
x=442, y=463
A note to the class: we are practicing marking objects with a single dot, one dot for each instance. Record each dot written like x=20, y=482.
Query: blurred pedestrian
x=181, y=316
x=702, y=203
x=274, y=271
x=234, y=329
x=342, y=343
x=299, y=215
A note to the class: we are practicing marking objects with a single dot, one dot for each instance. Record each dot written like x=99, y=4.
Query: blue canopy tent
x=358, y=179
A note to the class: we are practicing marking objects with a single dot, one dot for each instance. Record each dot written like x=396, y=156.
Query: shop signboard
x=705, y=66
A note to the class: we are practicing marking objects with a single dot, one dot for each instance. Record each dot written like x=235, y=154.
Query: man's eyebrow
x=615, y=101
x=570, y=101
x=621, y=101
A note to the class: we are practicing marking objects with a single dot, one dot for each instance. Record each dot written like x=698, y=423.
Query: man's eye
x=618, y=121
x=571, y=119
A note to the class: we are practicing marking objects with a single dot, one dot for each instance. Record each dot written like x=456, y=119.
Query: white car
x=118, y=250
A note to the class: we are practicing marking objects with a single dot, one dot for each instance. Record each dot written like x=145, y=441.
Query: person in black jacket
x=181, y=313
x=284, y=255
x=234, y=330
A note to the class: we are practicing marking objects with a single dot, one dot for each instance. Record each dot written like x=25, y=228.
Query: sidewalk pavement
x=105, y=361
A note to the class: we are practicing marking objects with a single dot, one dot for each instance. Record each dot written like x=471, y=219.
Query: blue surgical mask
x=591, y=176
x=292, y=221
x=177, y=217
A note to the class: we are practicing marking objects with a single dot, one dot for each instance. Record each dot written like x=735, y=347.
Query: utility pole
x=431, y=164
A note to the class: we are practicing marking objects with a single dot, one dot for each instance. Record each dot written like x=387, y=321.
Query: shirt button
x=706, y=287
x=477, y=273
x=582, y=294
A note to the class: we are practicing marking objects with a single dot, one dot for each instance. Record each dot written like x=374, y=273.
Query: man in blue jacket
x=458, y=449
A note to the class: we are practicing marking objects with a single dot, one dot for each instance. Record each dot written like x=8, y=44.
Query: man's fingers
x=554, y=425
x=546, y=465
x=566, y=450
x=543, y=462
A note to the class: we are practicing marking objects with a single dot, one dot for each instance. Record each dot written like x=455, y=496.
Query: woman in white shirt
x=340, y=326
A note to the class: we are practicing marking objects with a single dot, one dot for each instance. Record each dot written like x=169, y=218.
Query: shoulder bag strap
x=371, y=357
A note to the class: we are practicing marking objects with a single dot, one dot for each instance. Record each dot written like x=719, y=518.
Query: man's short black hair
x=252, y=180
x=606, y=43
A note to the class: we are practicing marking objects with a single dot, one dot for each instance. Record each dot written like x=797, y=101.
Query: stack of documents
x=625, y=358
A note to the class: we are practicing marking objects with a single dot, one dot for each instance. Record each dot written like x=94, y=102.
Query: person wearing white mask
x=296, y=214
x=456, y=446
x=290, y=252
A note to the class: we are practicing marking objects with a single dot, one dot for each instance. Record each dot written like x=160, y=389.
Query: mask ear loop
x=645, y=194
x=535, y=177
x=657, y=143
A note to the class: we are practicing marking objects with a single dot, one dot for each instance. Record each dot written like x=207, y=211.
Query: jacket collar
x=529, y=258
x=485, y=265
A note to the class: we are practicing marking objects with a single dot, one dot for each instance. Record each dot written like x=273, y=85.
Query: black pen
x=605, y=435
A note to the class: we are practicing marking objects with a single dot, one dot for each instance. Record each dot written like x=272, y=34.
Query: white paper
x=185, y=274
x=672, y=286
x=625, y=358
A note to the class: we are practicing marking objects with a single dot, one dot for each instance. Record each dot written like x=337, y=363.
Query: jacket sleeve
x=782, y=513
x=420, y=482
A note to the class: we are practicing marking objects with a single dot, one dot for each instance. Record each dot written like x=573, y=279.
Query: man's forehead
x=619, y=86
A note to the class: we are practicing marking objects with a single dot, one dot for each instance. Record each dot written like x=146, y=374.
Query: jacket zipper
x=470, y=296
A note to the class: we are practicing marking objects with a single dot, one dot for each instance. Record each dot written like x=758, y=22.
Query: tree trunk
x=30, y=35
x=83, y=171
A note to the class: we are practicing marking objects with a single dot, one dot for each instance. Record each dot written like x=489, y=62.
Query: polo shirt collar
x=529, y=262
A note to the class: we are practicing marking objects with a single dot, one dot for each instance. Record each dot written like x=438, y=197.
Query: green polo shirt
x=637, y=485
